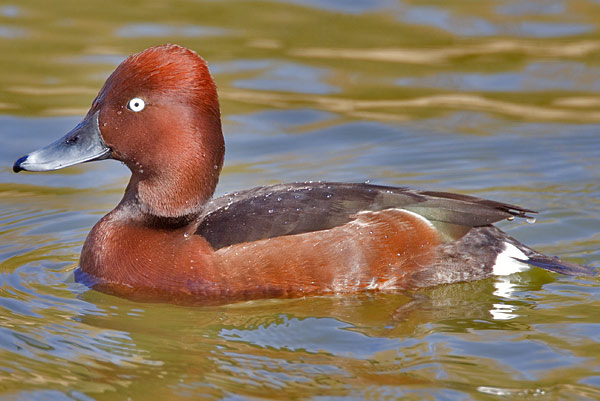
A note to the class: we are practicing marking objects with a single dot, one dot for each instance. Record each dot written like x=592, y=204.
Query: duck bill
x=82, y=144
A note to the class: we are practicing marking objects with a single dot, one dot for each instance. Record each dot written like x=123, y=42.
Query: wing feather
x=287, y=209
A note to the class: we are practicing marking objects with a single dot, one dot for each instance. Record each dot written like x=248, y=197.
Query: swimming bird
x=169, y=240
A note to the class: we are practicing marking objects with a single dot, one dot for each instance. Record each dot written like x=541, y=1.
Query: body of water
x=495, y=99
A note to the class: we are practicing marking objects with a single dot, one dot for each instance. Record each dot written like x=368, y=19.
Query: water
x=495, y=99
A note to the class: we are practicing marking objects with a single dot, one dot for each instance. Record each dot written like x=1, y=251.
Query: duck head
x=158, y=113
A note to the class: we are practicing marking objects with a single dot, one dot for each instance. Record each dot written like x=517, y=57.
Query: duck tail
x=554, y=264
x=511, y=256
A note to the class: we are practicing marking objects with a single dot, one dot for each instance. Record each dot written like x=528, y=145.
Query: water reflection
x=449, y=52
x=534, y=77
x=11, y=33
x=462, y=25
x=496, y=99
x=162, y=30
x=342, y=6
x=353, y=107
x=287, y=77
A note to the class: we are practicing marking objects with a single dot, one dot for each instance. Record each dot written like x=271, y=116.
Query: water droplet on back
x=531, y=220
x=510, y=218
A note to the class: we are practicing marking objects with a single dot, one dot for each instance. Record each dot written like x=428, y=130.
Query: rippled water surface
x=499, y=99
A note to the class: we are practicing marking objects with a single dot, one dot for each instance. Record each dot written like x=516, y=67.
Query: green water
x=497, y=99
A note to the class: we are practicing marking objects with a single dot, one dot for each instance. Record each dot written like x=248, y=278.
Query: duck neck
x=183, y=184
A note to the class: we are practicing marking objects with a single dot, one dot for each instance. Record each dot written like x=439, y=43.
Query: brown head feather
x=174, y=146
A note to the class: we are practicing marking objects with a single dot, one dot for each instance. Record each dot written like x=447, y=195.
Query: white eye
x=136, y=104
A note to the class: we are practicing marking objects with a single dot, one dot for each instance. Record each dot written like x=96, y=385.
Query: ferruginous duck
x=168, y=240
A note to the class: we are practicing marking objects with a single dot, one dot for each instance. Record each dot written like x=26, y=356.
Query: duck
x=169, y=240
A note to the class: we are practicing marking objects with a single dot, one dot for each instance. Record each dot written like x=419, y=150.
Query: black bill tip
x=82, y=144
x=17, y=166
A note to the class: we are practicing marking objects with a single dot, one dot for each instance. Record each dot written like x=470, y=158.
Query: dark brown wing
x=286, y=209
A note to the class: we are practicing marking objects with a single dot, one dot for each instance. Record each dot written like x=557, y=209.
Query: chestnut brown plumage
x=167, y=240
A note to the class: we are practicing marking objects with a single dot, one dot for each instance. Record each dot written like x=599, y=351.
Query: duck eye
x=136, y=104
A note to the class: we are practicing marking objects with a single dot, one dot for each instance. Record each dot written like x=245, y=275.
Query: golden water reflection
x=495, y=99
